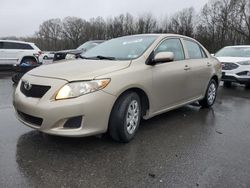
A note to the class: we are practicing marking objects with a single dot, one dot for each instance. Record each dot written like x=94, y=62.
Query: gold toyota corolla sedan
x=116, y=84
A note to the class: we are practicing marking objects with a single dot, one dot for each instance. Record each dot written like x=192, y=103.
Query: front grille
x=31, y=119
x=228, y=78
x=59, y=56
x=229, y=66
x=35, y=91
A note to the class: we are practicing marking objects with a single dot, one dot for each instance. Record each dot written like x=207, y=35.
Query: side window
x=194, y=50
x=8, y=45
x=204, y=55
x=172, y=45
x=24, y=46
x=1, y=45
x=16, y=46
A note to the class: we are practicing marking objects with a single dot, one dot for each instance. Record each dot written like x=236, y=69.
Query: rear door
x=169, y=79
x=199, y=69
x=11, y=52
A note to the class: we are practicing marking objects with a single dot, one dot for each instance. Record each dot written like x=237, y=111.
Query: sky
x=23, y=17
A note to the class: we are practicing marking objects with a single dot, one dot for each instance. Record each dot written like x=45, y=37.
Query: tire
x=247, y=86
x=211, y=94
x=227, y=84
x=45, y=57
x=125, y=117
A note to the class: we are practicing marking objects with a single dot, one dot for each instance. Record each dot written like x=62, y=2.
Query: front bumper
x=238, y=75
x=94, y=109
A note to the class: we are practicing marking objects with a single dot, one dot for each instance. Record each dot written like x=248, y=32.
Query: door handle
x=187, y=68
x=209, y=64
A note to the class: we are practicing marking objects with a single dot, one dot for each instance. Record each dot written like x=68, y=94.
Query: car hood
x=79, y=69
x=233, y=59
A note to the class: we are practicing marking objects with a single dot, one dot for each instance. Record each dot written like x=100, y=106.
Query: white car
x=16, y=52
x=235, y=62
x=46, y=56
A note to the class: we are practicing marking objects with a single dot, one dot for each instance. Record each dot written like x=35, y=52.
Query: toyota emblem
x=27, y=85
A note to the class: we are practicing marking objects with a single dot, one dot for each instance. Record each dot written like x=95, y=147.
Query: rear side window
x=1, y=45
x=172, y=45
x=194, y=50
x=16, y=46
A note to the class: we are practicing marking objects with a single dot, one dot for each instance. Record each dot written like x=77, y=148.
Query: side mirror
x=163, y=57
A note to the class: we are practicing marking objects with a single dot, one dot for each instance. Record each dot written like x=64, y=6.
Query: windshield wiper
x=98, y=57
x=105, y=57
x=83, y=57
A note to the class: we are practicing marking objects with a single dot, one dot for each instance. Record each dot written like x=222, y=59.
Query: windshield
x=234, y=52
x=124, y=48
x=87, y=45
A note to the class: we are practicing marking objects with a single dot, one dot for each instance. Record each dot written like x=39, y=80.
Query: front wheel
x=211, y=95
x=125, y=117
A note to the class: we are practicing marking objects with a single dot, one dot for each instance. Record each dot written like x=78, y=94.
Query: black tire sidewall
x=125, y=133
x=216, y=87
x=117, y=124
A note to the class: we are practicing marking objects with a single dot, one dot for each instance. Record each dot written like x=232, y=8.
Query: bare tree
x=50, y=31
x=73, y=30
x=182, y=22
x=242, y=15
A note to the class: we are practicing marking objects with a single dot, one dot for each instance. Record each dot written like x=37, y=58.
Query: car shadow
x=45, y=159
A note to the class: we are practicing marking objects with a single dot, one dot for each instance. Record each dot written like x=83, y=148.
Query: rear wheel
x=248, y=86
x=210, y=96
x=125, y=117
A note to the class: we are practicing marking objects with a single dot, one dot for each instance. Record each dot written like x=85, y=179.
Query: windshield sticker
x=132, y=42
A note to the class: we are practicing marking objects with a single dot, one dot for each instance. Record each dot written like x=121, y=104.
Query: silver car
x=116, y=84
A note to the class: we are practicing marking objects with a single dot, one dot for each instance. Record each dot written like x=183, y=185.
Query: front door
x=169, y=79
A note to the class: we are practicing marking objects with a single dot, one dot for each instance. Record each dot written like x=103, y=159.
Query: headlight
x=76, y=89
x=70, y=56
x=244, y=63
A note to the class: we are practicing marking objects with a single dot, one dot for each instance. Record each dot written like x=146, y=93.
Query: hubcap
x=211, y=93
x=132, y=119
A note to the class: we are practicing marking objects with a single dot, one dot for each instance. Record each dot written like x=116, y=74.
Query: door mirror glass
x=163, y=57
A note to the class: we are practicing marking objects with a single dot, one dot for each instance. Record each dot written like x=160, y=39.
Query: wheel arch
x=28, y=57
x=145, y=102
x=215, y=77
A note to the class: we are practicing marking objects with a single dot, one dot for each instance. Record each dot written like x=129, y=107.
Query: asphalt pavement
x=187, y=147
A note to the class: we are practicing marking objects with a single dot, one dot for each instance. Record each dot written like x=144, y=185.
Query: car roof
x=162, y=35
x=238, y=46
x=17, y=41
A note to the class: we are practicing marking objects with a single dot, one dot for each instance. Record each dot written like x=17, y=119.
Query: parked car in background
x=14, y=53
x=235, y=64
x=74, y=53
x=116, y=84
x=46, y=55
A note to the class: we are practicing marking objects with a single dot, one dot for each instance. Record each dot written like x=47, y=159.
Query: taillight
x=38, y=53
